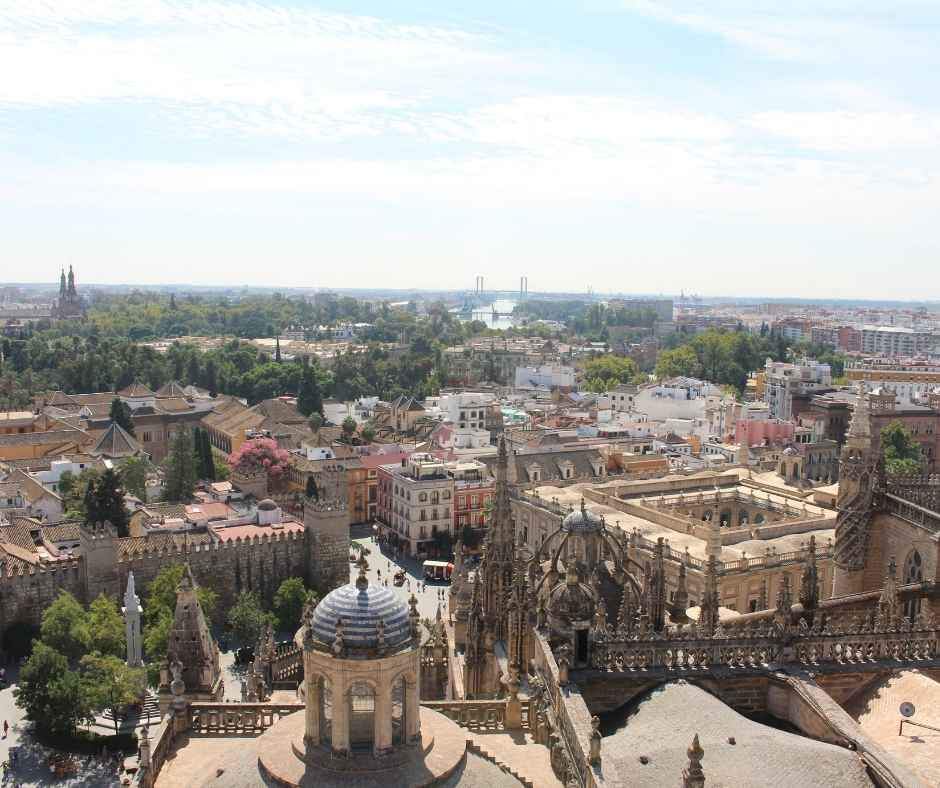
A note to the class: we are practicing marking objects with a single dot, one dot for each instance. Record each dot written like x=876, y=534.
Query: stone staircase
x=473, y=747
x=149, y=708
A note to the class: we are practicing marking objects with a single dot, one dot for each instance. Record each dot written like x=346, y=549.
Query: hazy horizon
x=724, y=148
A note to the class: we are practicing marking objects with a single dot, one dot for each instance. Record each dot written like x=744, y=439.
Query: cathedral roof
x=664, y=721
x=361, y=607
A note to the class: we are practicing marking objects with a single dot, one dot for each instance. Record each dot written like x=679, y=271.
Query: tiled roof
x=171, y=389
x=43, y=438
x=116, y=442
x=172, y=405
x=136, y=390
x=61, y=532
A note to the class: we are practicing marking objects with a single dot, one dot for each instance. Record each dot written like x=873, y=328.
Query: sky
x=727, y=147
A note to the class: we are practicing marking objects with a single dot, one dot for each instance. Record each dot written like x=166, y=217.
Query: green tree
x=109, y=683
x=902, y=454
x=132, y=472
x=247, y=618
x=289, y=601
x=368, y=433
x=181, y=468
x=157, y=635
x=309, y=396
x=607, y=371
x=80, y=491
x=311, y=488
x=65, y=627
x=315, y=421
x=349, y=428
x=49, y=693
x=680, y=361
x=104, y=502
x=120, y=414
x=106, y=627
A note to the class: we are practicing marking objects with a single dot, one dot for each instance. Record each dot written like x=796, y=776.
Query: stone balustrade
x=485, y=715
x=229, y=718
x=832, y=645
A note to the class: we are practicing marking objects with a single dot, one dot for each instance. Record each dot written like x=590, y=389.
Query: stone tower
x=858, y=470
x=192, y=654
x=98, y=544
x=132, y=613
x=326, y=526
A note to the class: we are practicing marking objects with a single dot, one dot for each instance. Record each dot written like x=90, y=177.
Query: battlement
x=14, y=573
x=181, y=550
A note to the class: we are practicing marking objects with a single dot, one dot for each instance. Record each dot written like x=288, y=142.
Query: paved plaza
x=382, y=568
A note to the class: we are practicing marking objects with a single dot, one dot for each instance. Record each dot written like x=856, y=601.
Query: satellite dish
x=907, y=709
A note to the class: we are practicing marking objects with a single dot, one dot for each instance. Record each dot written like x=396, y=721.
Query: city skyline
x=733, y=149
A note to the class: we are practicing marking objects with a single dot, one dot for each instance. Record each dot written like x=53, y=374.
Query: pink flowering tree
x=261, y=454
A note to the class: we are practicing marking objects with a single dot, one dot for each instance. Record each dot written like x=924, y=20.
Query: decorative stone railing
x=833, y=645
x=229, y=718
x=913, y=512
x=484, y=715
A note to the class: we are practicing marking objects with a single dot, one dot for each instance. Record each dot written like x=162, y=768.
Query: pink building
x=758, y=432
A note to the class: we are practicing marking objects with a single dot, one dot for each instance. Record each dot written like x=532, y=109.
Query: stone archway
x=361, y=700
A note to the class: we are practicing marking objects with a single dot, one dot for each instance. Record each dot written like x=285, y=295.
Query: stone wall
x=259, y=565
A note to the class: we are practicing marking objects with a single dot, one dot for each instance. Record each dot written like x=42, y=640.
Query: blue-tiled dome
x=361, y=608
x=582, y=520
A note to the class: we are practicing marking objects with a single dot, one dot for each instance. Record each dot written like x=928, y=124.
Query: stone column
x=412, y=710
x=340, y=737
x=312, y=710
x=382, y=719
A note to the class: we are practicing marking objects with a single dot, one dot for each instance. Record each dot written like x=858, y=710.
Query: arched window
x=725, y=518
x=743, y=517
x=913, y=573
x=759, y=519
x=707, y=515
x=361, y=717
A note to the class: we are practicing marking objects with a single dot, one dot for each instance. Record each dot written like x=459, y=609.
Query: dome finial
x=362, y=582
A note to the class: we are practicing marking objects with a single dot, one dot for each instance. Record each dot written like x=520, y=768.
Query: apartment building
x=415, y=502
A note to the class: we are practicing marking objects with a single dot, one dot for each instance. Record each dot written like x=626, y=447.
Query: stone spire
x=693, y=776
x=496, y=568
x=518, y=619
x=784, y=603
x=656, y=588
x=473, y=656
x=858, y=468
x=809, y=582
x=626, y=615
x=191, y=646
x=680, y=600
x=71, y=285
x=889, y=604
x=711, y=599
x=132, y=615
x=62, y=287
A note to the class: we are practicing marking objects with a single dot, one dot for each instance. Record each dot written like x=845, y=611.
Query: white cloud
x=811, y=30
x=854, y=132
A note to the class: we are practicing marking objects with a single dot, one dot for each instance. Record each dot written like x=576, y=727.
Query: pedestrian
x=6, y=728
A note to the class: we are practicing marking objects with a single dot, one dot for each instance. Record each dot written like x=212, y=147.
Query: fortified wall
x=319, y=554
